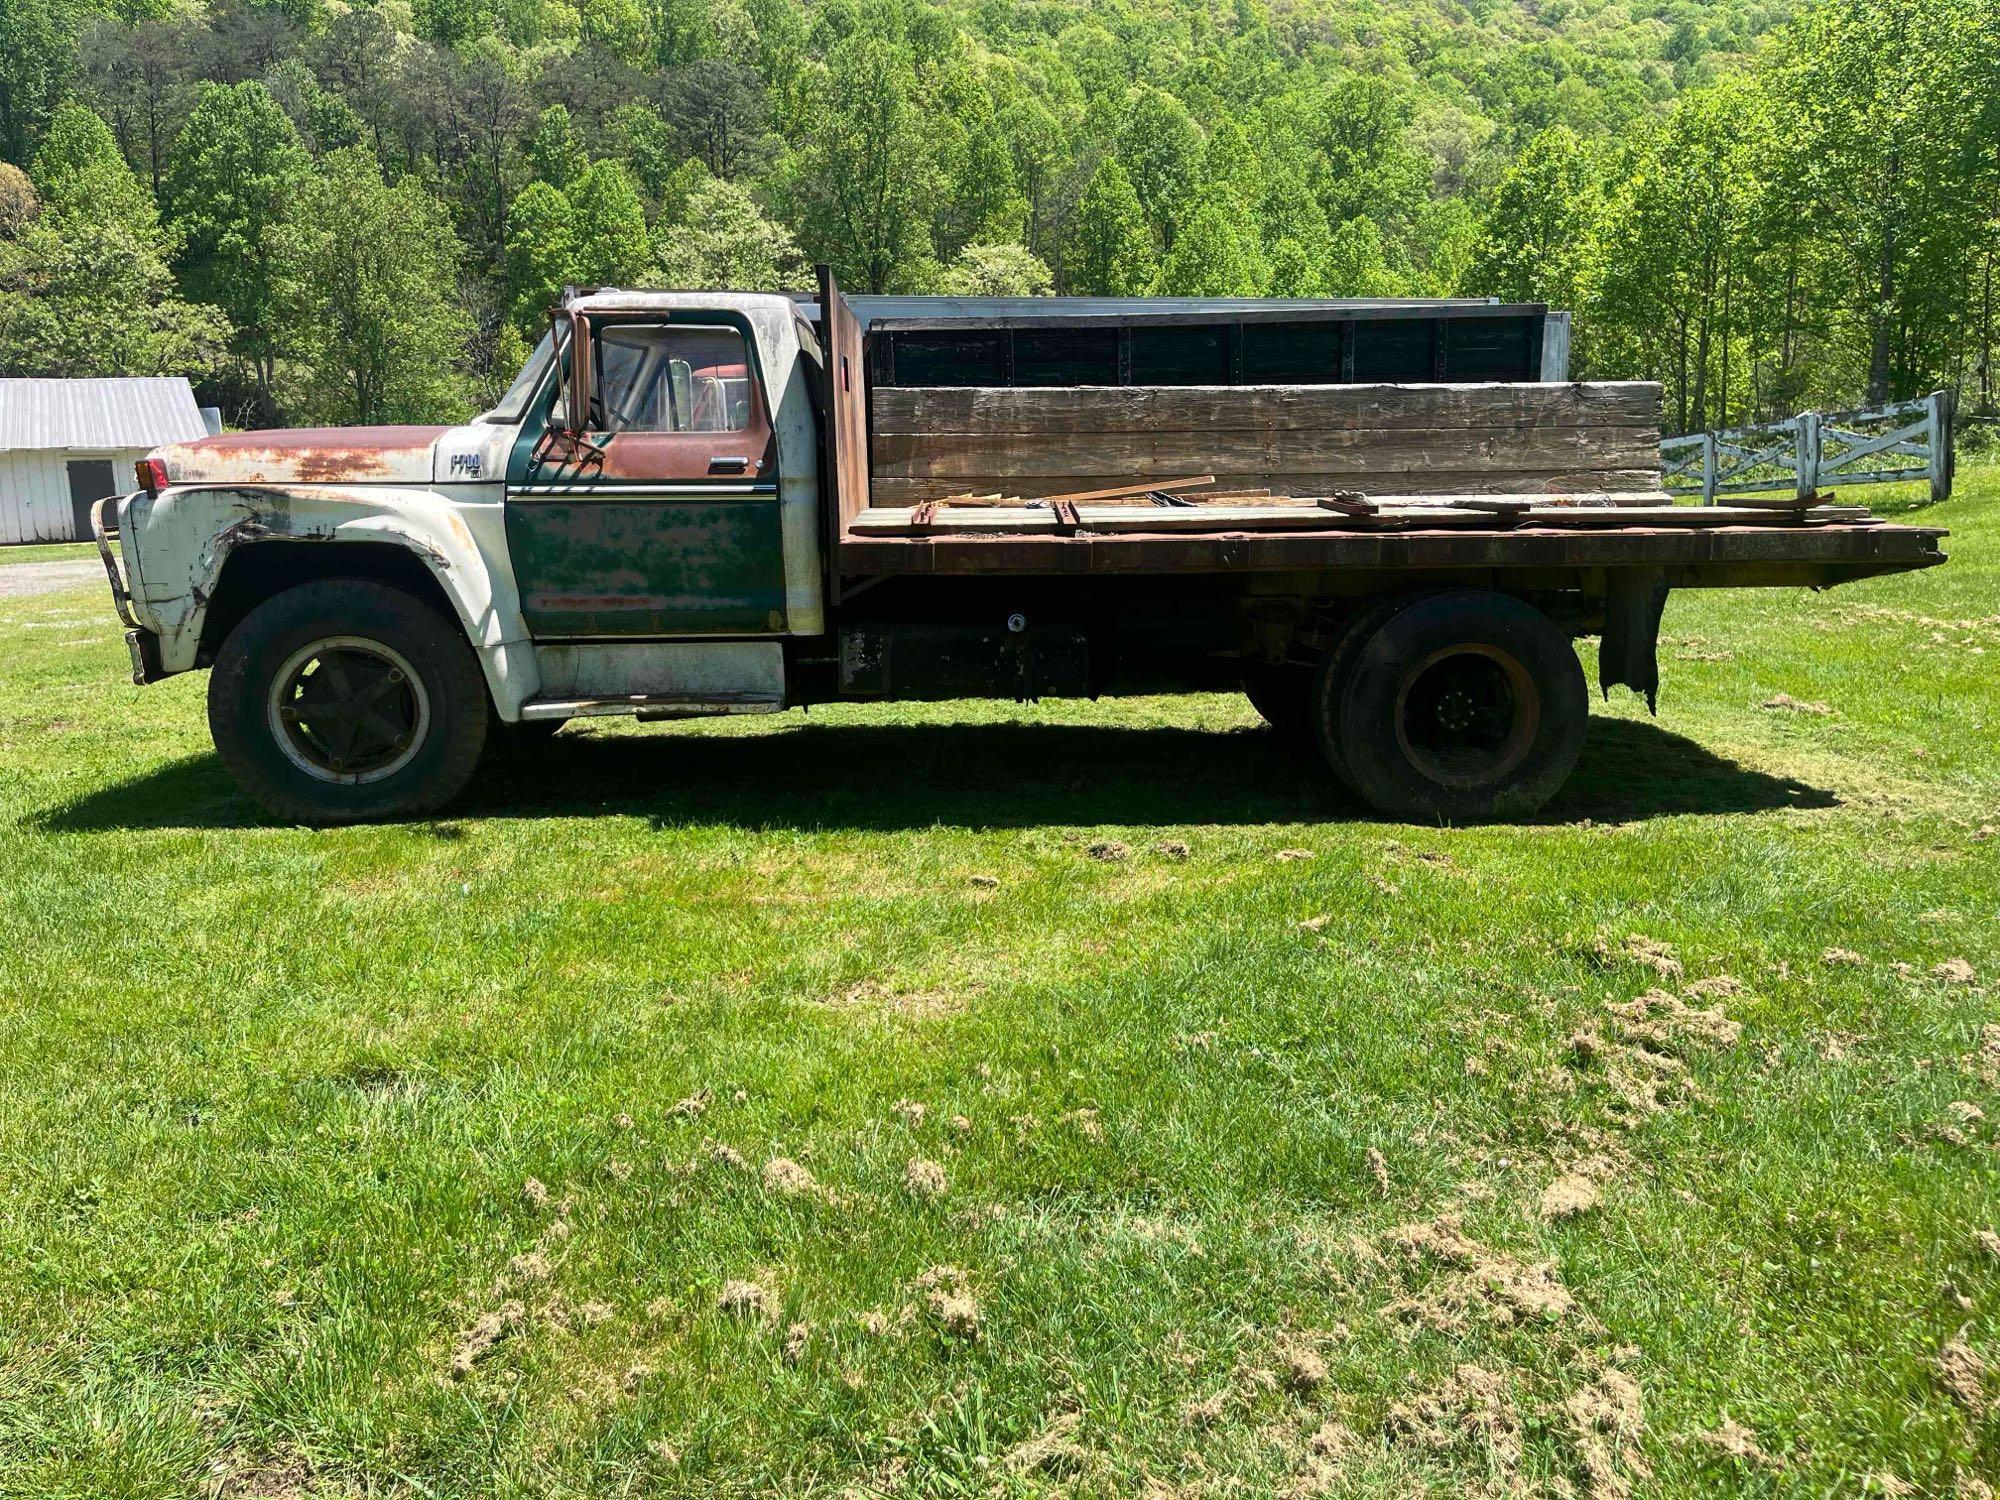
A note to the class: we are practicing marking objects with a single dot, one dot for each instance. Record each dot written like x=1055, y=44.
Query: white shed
x=64, y=444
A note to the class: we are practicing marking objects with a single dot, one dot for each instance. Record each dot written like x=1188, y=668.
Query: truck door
x=663, y=519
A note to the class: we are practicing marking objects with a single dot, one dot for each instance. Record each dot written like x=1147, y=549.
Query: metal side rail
x=141, y=642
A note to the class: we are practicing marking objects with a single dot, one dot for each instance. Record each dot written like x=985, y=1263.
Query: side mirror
x=571, y=414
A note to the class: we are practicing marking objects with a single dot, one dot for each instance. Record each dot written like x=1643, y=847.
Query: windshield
x=513, y=404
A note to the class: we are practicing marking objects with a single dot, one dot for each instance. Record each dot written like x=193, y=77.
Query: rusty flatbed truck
x=720, y=503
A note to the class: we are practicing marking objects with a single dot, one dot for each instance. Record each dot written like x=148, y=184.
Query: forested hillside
x=361, y=212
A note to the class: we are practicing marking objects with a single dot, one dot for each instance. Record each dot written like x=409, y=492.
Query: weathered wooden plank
x=1171, y=453
x=1165, y=486
x=1552, y=482
x=1394, y=513
x=1716, y=557
x=1034, y=409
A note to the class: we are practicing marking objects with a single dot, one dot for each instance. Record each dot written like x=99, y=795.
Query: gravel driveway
x=17, y=580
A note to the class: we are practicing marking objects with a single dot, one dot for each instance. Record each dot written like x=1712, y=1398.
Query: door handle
x=735, y=464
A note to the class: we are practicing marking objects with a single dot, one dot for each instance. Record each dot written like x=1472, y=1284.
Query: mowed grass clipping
x=979, y=1099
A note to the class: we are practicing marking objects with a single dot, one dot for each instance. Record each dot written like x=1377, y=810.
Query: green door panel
x=656, y=564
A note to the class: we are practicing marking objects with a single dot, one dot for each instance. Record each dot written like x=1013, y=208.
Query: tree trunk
x=1885, y=292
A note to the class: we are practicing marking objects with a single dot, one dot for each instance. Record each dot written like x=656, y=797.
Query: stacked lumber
x=999, y=444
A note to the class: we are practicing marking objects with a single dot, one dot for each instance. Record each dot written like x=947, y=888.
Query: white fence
x=1815, y=451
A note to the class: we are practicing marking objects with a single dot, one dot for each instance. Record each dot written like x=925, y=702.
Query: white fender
x=458, y=532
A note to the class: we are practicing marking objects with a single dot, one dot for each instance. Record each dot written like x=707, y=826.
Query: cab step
x=653, y=706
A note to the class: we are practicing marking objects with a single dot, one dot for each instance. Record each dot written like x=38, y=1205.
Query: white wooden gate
x=1815, y=451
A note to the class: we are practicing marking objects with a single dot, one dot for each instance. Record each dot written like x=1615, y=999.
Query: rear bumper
x=143, y=644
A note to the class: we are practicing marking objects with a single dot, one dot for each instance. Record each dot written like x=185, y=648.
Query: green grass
x=37, y=552
x=269, y=1097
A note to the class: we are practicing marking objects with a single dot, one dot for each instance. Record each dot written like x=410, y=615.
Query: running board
x=652, y=706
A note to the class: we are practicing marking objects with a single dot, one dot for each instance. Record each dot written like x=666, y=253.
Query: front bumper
x=141, y=642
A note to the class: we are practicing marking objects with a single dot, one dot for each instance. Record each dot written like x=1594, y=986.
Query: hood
x=306, y=455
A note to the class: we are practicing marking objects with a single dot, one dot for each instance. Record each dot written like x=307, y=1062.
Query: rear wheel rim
x=1467, y=716
x=348, y=710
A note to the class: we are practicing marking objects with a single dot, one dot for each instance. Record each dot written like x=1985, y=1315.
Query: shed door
x=90, y=480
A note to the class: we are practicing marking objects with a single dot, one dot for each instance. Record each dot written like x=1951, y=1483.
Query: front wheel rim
x=348, y=710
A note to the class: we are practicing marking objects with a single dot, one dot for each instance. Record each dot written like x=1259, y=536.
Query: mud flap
x=1628, y=651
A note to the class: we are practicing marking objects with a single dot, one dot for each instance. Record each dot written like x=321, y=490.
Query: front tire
x=346, y=700
x=1464, y=706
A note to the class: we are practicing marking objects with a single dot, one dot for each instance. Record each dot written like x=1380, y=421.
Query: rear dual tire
x=347, y=700
x=1461, y=706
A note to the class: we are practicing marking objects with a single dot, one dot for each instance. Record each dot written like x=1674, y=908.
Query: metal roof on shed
x=133, y=412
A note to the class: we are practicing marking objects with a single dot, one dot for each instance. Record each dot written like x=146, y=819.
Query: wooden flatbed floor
x=1700, y=546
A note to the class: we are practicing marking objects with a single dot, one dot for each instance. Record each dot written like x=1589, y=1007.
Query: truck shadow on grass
x=968, y=775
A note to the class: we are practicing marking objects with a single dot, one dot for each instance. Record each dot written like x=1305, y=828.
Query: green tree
x=1161, y=149
x=721, y=239
x=1677, y=250
x=37, y=51
x=1295, y=271
x=80, y=170
x=237, y=169
x=608, y=228
x=1113, y=255
x=864, y=178
x=540, y=255
x=19, y=202
x=1035, y=139
x=996, y=271
x=1541, y=227
x=80, y=298
x=1216, y=254
x=367, y=308
x=1362, y=161
x=1889, y=111
x=554, y=153
x=1356, y=263
x=450, y=22
x=720, y=115
x=1229, y=165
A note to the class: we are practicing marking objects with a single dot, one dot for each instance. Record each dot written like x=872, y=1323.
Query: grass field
x=826, y=1107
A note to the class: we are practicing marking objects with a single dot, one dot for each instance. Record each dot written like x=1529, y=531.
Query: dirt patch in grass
x=1637, y=948
x=1965, y=1376
x=476, y=1342
x=872, y=995
x=1786, y=703
x=788, y=1179
x=747, y=1299
x=1471, y=1411
x=1733, y=1441
x=1474, y=1279
x=1643, y=1058
x=1606, y=1419
x=1053, y=1450
x=949, y=1302
x=234, y=1478
x=1568, y=1196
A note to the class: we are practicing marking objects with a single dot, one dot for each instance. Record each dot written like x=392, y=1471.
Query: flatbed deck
x=1699, y=546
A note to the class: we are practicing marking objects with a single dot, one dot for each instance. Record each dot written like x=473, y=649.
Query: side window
x=654, y=378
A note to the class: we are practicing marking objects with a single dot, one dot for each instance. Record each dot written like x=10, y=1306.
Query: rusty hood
x=306, y=455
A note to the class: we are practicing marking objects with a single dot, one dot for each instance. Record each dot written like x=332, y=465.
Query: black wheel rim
x=1467, y=715
x=348, y=709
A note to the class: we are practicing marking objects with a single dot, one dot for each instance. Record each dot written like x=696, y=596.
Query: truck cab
x=634, y=528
